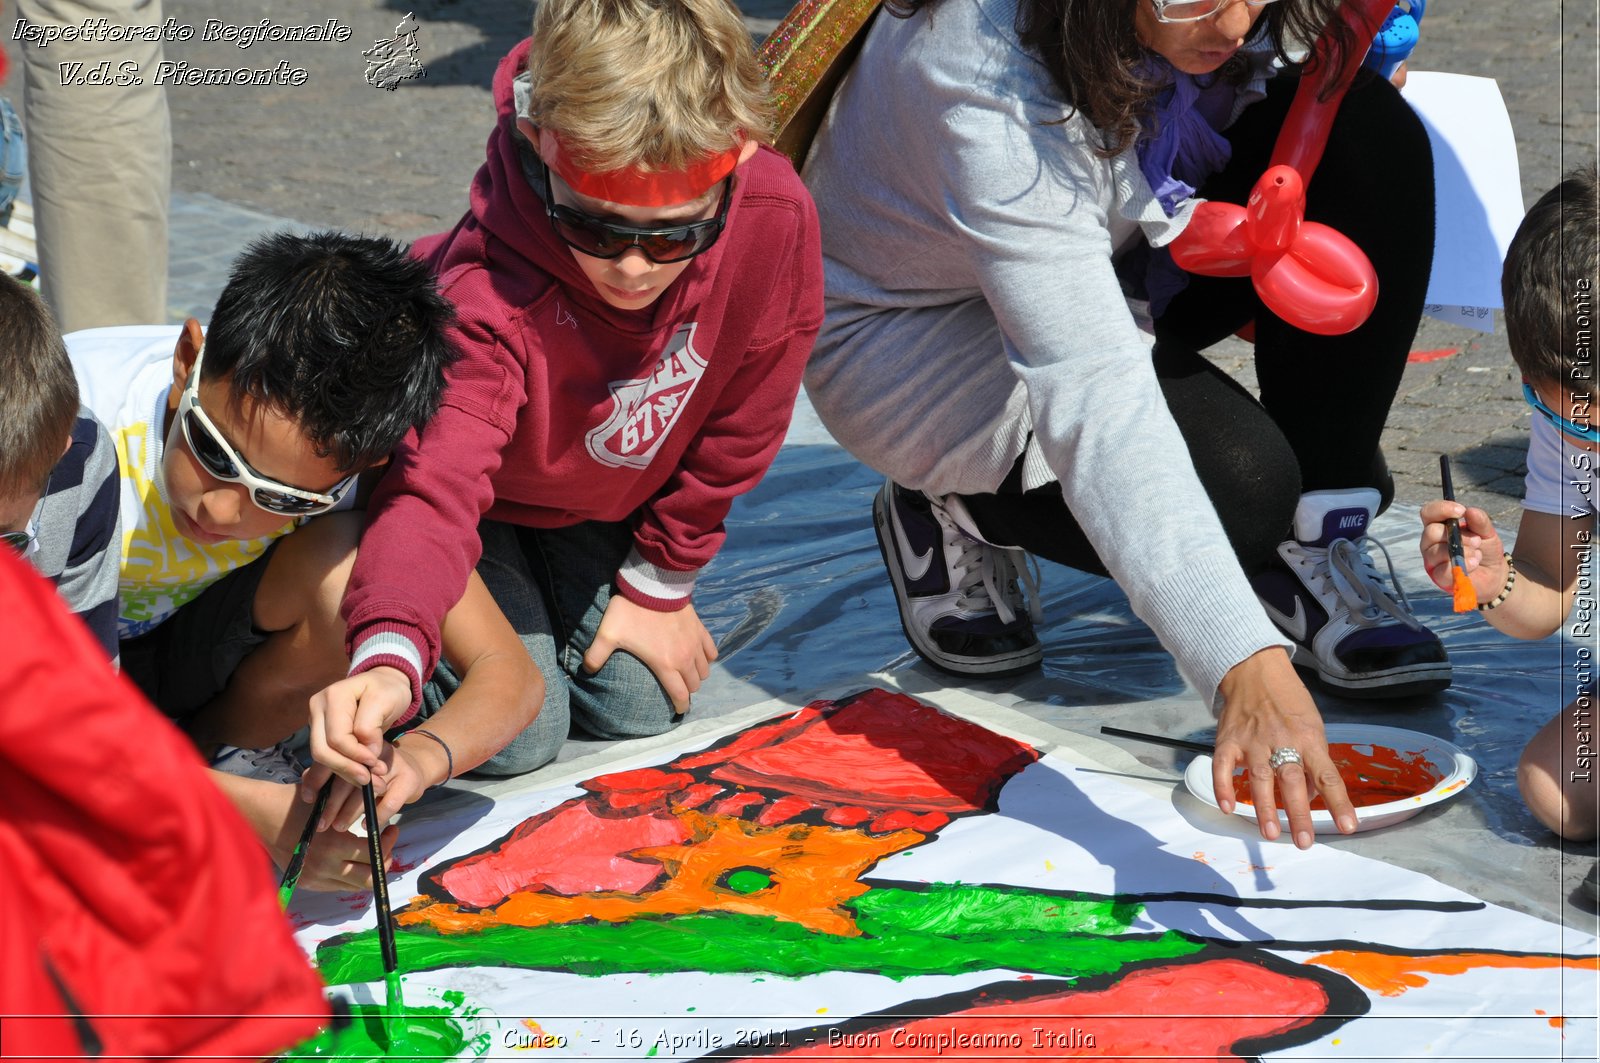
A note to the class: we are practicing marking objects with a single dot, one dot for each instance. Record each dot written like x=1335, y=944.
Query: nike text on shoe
x=274, y=764
x=960, y=603
x=1325, y=593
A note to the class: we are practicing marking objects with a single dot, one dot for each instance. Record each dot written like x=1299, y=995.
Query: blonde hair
x=651, y=84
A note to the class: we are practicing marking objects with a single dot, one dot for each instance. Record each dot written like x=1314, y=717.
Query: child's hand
x=335, y=860
x=349, y=717
x=1480, y=545
x=675, y=646
x=401, y=782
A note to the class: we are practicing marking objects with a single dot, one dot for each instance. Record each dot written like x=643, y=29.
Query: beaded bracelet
x=1505, y=592
x=449, y=761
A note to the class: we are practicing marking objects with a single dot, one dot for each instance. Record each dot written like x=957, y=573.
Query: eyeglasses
x=1589, y=433
x=225, y=463
x=661, y=244
x=22, y=542
x=1195, y=10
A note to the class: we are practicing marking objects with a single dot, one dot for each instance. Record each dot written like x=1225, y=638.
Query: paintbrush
x=297, y=859
x=1161, y=740
x=395, y=1006
x=1463, y=597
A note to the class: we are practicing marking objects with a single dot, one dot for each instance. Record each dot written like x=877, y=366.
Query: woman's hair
x=1095, y=58
x=654, y=84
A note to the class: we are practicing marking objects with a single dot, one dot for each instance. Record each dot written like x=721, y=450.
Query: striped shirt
x=78, y=525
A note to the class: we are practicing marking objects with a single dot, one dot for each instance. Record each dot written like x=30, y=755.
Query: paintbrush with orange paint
x=1463, y=597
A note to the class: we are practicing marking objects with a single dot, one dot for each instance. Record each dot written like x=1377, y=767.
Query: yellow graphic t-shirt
x=124, y=374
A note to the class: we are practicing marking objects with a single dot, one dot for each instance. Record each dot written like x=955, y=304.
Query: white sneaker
x=961, y=605
x=274, y=764
x=1326, y=594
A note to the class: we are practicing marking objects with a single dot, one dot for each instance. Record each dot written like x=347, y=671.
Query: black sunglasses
x=661, y=244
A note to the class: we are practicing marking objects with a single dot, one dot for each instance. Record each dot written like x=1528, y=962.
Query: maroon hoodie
x=564, y=409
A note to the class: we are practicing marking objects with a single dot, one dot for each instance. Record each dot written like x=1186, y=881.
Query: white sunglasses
x=1195, y=10
x=222, y=461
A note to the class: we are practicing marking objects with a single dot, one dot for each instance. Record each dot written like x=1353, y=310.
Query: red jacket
x=564, y=409
x=138, y=916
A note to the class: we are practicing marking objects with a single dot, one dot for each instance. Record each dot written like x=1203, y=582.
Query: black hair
x=344, y=334
x=1548, y=286
x=38, y=390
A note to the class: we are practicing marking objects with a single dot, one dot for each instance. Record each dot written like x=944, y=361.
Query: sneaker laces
x=1349, y=568
x=987, y=580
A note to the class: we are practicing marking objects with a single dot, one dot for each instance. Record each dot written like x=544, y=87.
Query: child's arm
x=500, y=694
x=1544, y=559
x=335, y=861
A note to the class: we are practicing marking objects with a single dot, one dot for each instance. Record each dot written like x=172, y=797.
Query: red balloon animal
x=1309, y=275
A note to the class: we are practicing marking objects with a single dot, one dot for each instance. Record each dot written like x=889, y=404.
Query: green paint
x=427, y=1033
x=395, y=1008
x=748, y=880
x=943, y=930
x=653, y=1050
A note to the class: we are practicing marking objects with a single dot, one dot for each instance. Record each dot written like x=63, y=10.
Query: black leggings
x=1324, y=399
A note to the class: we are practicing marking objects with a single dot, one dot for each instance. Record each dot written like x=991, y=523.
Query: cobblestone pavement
x=335, y=151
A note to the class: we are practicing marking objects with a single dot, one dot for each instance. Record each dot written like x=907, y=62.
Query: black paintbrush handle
x=1161, y=740
x=380, y=881
x=1453, y=525
x=297, y=859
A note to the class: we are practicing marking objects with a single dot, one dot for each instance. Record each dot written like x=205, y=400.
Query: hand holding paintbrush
x=1462, y=550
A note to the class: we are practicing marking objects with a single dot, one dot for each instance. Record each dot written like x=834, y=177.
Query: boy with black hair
x=1551, y=272
x=58, y=470
x=323, y=350
x=638, y=283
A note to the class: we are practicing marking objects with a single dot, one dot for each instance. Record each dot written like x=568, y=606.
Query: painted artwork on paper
x=874, y=876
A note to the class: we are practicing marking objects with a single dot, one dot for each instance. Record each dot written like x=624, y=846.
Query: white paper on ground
x=1477, y=189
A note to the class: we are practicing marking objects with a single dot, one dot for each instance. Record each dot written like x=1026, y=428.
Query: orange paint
x=814, y=870
x=1392, y=975
x=1372, y=774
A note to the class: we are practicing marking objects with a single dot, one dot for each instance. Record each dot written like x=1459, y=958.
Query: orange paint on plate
x=1372, y=774
x=1392, y=975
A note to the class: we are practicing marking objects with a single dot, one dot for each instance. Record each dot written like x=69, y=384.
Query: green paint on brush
x=428, y=1032
x=943, y=930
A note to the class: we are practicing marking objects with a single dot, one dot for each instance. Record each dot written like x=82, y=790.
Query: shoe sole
x=1400, y=683
x=989, y=667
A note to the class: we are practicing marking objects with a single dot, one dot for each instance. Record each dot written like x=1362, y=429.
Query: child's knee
x=1565, y=806
x=538, y=743
x=623, y=700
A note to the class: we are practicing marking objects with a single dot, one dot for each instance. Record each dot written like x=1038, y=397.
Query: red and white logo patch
x=644, y=411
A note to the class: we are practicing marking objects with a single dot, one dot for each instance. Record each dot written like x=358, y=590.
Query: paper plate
x=1426, y=770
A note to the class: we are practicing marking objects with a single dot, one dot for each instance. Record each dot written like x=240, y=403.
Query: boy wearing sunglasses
x=637, y=284
x=58, y=471
x=1549, y=283
x=323, y=350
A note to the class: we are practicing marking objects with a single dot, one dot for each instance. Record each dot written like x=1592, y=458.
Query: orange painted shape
x=1433, y=355
x=1392, y=975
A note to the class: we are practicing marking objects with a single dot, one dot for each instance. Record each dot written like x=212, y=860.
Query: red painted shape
x=735, y=804
x=639, y=779
x=929, y=822
x=886, y=751
x=570, y=849
x=1181, y=1011
x=846, y=815
x=899, y=819
x=782, y=810
x=696, y=795
x=1432, y=356
x=754, y=738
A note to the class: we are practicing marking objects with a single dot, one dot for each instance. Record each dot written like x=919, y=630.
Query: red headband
x=631, y=187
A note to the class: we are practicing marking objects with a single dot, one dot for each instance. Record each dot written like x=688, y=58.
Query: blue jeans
x=553, y=586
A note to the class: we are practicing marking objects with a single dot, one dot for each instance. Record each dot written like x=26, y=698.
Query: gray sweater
x=974, y=314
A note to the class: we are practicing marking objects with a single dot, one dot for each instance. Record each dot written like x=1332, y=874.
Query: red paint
x=1433, y=355
x=571, y=849
x=1372, y=774
x=886, y=751
x=696, y=795
x=846, y=815
x=735, y=804
x=782, y=810
x=1182, y=1011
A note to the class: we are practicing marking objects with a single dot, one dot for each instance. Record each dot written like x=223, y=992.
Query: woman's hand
x=1266, y=708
